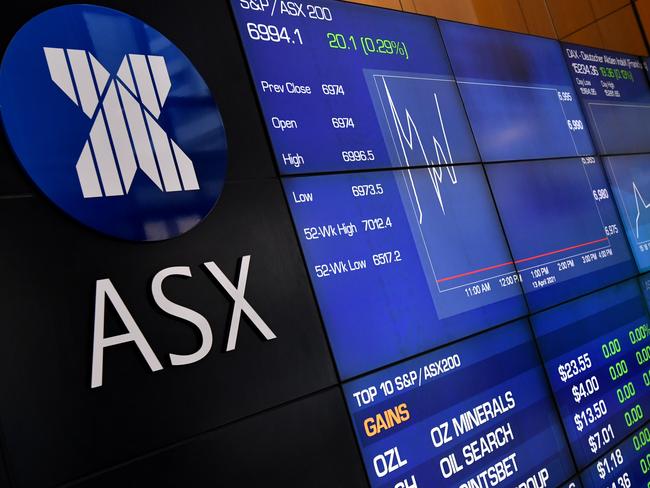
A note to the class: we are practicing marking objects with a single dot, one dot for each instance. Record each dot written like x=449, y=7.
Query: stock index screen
x=518, y=94
x=562, y=226
x=444, y=186
x=615, y=96
x=403, y=260
x=346, y=87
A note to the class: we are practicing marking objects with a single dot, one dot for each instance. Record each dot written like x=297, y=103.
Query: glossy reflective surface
x=112, y=122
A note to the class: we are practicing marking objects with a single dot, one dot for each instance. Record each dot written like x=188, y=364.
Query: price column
x=597, y=354
x=625, y=466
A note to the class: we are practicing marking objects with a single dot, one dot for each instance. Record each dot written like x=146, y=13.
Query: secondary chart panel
x=630, y=180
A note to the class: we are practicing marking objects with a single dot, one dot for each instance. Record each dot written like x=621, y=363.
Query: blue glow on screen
x=403, y=261
x=518, y=94
x=560, y=223
x=630, y=181
x=395, y=102
x=593, y=349
x=498, y=371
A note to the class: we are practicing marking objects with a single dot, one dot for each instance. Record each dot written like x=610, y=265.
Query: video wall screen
x=596, y=355
x=562, y=225
x=474, y=412
x=403, y=261
x=470, y=204
x=613, y=89
x=351, y=87
x=630, y=185
x=518, y=94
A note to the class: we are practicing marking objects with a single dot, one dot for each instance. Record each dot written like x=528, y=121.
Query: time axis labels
x=630, y=182
x=474, y=414
x=562, y=227
x=403, y=260
x=343, y=87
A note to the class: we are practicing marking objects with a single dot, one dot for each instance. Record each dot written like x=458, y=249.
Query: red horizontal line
x=523, y=260
x=448, y=278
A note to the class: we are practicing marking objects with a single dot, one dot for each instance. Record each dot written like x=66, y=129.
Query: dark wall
x=268, y=412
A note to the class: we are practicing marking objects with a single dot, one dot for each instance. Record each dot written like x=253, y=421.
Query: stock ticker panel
x=562, y=227
x=518, y=94
x=615, y=96
x=629, y=176
x=625, y=466
x=346, y=87
x=597, y=357
x=403, y=260
x=474, y=414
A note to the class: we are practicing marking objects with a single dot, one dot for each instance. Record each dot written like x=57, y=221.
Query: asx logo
x=124, y=135
x=112, y=122
x=106, y=292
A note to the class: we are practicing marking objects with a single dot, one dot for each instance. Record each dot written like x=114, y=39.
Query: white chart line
x=608, y=161
x=409, y=136
x=638, y=197
x=410, y=185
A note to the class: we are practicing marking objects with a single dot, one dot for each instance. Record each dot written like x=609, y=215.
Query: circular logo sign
x=112, y=122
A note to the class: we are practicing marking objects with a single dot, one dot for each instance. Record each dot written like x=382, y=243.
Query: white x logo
x=125, y=134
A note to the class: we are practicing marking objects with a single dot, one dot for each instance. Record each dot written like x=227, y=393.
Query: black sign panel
x=57, y=427
x=306, y=443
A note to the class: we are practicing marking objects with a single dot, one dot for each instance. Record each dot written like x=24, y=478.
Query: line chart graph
x=641, y=205
x=409, y=140
x=423, y=126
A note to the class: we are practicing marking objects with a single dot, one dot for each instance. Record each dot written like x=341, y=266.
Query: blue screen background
x=583, y=326
x=496, y=362
x=484, y=202
x=617, y=109
x=630, y=180
x=509, y=83
x=559, y=254
x=399, y=309
x=315, y=63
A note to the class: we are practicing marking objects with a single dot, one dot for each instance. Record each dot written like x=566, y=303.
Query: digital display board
x=625, y=466
x=562, y=227
x=596, y=350
x=615, y=95
x=403, y=260
x=345, y=87
x=474, y=414
x=630, y=180
x=518, y=94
